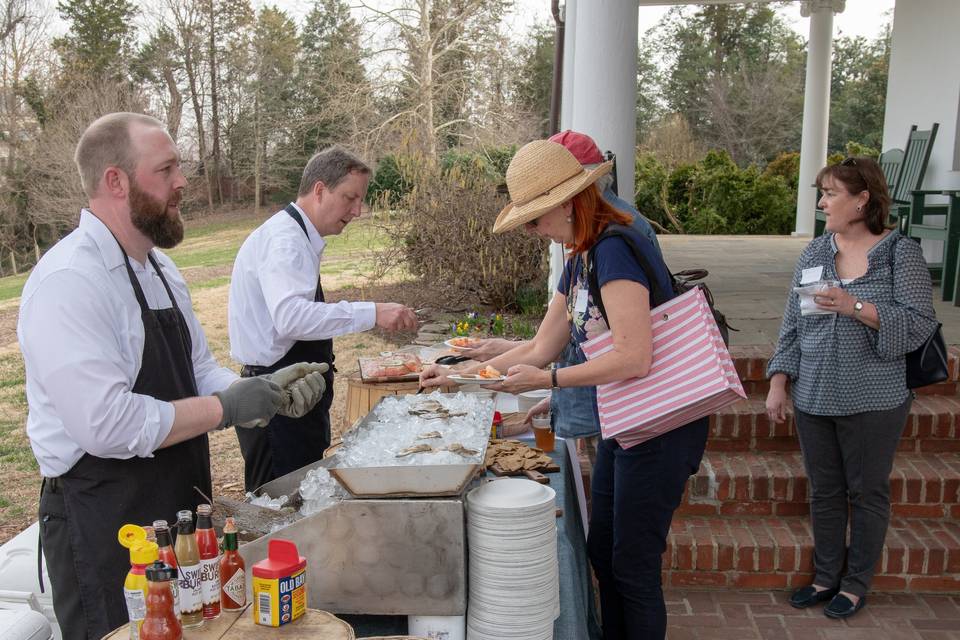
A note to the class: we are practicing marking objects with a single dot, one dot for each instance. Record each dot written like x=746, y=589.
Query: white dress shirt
x=82, y=339
x=272, y=294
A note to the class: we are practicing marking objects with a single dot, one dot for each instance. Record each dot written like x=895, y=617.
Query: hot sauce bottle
x=168, y=557
x=209, y=563
x=233, y=577
x=191, y=598
x=160, y=622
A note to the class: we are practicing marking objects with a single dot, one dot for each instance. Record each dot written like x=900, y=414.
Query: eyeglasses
x=849, y=162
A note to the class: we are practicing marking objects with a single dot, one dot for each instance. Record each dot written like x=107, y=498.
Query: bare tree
x=23, y=46
x=188, y=20
x=50, y=177
x=428, y=36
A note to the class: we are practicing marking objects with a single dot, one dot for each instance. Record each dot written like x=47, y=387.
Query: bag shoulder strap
x=593, y=284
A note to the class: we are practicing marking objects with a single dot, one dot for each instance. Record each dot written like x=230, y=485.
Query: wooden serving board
x=240, y=626
x=533, y=474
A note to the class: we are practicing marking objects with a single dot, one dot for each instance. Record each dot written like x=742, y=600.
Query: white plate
x=472, y=378
x=451, y=344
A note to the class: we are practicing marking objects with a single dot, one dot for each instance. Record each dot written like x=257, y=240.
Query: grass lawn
x=205, y=257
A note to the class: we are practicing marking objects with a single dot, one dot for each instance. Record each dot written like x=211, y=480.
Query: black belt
x=251, y=370
x=50, y=484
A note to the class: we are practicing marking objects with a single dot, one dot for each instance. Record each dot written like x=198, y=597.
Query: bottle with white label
x=188, y=556
x=209, y=563
x=142, y=553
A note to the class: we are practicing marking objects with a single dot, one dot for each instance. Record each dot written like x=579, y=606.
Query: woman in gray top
x=843, y=350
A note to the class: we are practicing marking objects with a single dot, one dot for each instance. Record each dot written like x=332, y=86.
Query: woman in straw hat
x=634, y=491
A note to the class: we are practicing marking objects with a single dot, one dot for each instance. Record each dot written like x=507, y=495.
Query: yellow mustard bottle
x=142, y=553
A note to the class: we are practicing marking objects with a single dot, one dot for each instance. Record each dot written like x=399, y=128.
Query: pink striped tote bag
x=691, y=376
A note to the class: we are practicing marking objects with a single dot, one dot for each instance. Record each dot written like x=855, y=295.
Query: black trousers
x=634, y=494
x=55, y=541
x=848, y=461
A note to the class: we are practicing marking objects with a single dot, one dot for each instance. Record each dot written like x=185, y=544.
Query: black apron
x=287, y=444
x=82, y=510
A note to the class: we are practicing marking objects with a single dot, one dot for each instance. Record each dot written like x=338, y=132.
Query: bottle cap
x=160, y=572
x=204, y=510
x=229, y=526
x=144, y=552
x=131, y=534
x=497, y=418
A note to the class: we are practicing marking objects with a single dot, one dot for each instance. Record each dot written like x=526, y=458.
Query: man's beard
x=150, y=216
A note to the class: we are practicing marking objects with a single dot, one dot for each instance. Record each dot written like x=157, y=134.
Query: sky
x=859, y=18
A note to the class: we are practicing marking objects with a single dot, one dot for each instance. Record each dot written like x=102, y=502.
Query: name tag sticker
x=581, y=304
x=811, y=274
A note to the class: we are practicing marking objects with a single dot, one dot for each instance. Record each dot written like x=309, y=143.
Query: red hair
x=591, y=215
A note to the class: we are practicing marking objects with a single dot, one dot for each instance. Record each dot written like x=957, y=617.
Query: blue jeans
x=634, y=494
x=573, y=410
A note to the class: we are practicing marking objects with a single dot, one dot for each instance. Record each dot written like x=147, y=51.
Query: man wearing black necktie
x=278, y=314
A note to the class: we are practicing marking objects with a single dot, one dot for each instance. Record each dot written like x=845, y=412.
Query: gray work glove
x=303, y=386
x=248, y=401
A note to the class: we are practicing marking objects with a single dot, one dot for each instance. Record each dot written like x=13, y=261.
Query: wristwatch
x=857, y=308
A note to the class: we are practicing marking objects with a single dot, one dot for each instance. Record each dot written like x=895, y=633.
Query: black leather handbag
x=928, y=363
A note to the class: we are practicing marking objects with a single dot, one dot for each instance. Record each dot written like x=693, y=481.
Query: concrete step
x=923, y=485
x=751, y=364
x=776, y=553
x=932, y=426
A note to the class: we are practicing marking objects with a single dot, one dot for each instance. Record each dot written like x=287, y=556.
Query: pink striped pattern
x=691, y=376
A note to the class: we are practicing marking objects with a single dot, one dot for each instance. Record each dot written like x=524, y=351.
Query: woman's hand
x=539, y=409
x=434, y=375
x=523, y=377
x=836, y=299
x=777, y=402
x=487, y=348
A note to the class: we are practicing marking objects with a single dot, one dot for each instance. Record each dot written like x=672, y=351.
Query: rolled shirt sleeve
x=909, y=318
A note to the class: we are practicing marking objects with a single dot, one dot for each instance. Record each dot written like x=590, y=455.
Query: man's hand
x=248, y=401
x=395, y=317
x=302, y=385
x=487, y=348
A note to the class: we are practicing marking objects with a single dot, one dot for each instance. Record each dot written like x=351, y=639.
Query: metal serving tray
x=406, y=481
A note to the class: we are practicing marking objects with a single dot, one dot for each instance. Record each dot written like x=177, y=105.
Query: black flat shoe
x=808, y=596
x=841, y=607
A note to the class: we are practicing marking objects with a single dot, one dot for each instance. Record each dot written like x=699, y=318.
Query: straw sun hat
x=541, y=176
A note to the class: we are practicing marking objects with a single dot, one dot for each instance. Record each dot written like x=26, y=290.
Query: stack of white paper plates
x=514, y=579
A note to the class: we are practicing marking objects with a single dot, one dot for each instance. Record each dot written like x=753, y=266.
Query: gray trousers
x=848, y=461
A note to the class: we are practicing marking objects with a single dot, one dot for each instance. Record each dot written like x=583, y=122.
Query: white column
x=566, y=121
x=604, y=105
x=816, y=107
x=605, y=68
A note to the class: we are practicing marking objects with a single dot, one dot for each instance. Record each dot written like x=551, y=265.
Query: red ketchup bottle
x=161, y=621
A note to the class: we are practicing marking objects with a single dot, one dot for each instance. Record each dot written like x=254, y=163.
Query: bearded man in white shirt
x=278, y=314
x=121, y=386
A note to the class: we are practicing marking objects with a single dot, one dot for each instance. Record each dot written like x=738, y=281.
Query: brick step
x=933, y=425
x=751, y=364
x=924, y=485
x=777, y=553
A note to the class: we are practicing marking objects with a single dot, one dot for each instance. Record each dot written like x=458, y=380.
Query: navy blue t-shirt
x=613, y=261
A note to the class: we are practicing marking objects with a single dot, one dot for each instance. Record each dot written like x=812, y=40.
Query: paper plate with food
x=487, y=375
x=462, y=342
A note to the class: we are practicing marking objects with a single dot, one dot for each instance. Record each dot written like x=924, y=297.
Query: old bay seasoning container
x=279, y=585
